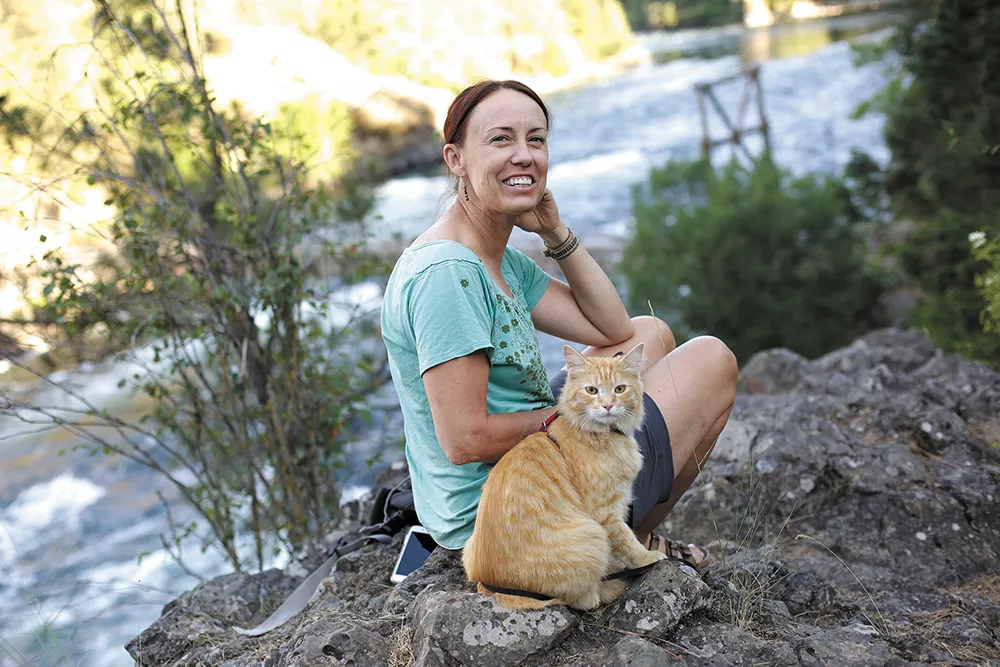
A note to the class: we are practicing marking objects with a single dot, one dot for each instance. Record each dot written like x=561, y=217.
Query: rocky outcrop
x=850, y=505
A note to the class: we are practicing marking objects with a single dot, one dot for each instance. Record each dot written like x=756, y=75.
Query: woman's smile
x=520, y=183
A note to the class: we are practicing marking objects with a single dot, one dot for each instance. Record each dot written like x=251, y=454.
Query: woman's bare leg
x=695, y=387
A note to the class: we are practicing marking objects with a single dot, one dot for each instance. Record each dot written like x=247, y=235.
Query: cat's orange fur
x=551, y=519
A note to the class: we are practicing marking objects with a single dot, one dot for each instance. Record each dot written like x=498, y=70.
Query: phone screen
x=416, y=550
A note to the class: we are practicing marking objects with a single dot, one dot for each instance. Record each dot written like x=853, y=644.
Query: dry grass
x=987, y=585
x=929, y=626
x=400, y=653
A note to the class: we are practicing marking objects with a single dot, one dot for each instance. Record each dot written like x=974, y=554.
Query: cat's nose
x=608, y=407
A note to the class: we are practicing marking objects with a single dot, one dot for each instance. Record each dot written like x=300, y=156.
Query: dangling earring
x=465, y=190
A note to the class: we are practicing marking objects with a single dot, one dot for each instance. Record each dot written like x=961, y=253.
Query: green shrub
x=987, y=250
x=942, y=109
x=757, y=258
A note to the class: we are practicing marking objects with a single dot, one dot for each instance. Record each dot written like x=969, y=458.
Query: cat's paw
x=649, y=557
x=588, y=601
x=612, y=590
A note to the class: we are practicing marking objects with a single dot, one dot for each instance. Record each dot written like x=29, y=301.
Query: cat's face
x=603, y=392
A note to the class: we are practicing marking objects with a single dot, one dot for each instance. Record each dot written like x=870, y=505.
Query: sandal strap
x=675, y=547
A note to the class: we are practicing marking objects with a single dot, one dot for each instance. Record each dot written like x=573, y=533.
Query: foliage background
x=752, y=255
x=942, y=112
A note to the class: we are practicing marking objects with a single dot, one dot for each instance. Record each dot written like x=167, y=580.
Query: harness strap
x=548, y=422
x=516, y=592
x=632, y=572
x=555, y=415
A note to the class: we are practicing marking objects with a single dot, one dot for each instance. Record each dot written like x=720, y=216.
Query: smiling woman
x=459, y=321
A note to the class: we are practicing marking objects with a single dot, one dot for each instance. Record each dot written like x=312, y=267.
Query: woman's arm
x=456, y=391
x=588, y=310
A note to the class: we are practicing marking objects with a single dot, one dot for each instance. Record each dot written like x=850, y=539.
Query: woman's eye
x=619, y=389
x=499, y=138
x=591, y=390
x=540, y=140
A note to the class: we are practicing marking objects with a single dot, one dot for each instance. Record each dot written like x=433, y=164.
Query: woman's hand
x=544, y=220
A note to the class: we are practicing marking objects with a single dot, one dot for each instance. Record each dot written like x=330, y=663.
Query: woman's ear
x=453, y=158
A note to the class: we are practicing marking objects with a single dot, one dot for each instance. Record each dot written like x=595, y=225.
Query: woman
x=459, y=320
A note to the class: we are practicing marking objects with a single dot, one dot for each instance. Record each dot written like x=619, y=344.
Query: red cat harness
x=554, y=416
x=545, y=428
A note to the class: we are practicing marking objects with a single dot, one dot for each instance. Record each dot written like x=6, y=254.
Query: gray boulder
x=472, y=629
x=657, y=603
x=850, y=506
x=632, y=651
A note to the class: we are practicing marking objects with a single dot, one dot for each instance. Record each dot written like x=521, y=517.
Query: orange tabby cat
x=552, y=515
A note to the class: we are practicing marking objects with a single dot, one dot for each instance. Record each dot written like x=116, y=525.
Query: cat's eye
x=619, y=389
x=591, y=390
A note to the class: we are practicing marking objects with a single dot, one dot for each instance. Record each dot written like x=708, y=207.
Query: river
x=71, y=527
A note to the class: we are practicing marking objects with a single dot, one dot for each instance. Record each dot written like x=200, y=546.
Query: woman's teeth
x=519, y=181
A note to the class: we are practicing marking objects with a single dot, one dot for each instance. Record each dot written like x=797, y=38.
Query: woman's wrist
x=556, y=237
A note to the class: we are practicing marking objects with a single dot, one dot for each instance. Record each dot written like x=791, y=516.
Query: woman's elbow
x=456, y=457
x=624, y=333
x=457, y=450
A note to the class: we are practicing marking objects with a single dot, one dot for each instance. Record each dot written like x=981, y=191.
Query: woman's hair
x=469, y=99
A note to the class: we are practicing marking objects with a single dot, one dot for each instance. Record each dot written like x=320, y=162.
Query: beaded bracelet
x=564, y=249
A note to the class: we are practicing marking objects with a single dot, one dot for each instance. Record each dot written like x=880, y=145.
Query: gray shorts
x=656, y=479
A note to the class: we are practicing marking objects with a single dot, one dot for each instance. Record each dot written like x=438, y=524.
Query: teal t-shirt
x=440, y=304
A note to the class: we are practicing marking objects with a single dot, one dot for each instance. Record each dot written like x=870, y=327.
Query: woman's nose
x=522, y=155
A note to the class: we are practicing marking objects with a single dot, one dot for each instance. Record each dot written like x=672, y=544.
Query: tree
x=226, y=258
x=942, y=112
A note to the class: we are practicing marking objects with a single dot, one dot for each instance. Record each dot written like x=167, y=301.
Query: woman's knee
x=655, y=334
x=719, y=360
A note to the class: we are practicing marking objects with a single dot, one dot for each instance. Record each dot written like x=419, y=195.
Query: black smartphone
x=417, y=548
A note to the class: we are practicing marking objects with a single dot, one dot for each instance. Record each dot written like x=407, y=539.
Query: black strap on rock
x=632, y=572
x=517, y=592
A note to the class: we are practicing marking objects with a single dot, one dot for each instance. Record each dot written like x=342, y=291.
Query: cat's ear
x=633, y=360
x=574, y=360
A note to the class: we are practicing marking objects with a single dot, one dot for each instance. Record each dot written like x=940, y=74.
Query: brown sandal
x=680, y=551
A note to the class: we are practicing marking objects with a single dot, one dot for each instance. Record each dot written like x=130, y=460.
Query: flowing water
x=72, y=591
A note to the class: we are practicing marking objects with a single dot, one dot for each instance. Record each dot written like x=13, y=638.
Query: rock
x=886, y=435
x=657, y=603
x=443, y=570
x=633, y=652
x=723, y=645
x=852, y=646
x=336, y=641
x=773, y=372
x=849, y=504
x=472, y=629
x=205, y=614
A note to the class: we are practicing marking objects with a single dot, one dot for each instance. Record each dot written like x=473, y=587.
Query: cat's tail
x=518, y=601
